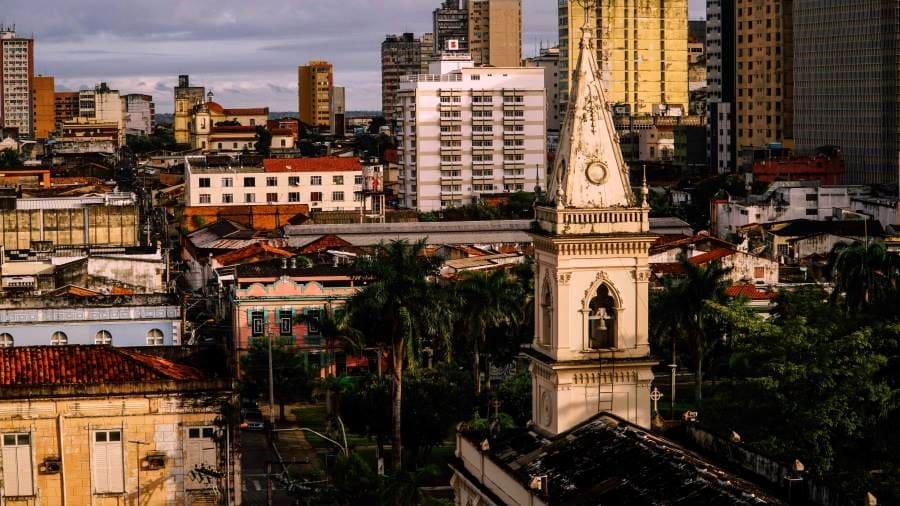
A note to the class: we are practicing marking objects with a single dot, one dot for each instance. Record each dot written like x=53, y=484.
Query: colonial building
x=186, y=98
x=213, y=127
x=80, y=316
x=587, y=442
x=103, y=426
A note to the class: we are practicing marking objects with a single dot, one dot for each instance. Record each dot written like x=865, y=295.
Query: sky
x=246, y=52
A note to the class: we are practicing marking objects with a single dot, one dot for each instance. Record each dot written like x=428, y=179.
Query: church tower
x=590, y=353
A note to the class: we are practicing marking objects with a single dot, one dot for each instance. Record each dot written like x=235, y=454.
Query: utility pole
x=271, y=382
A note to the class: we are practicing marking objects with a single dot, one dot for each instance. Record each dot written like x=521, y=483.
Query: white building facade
x=464, y=131
x=789, y=200
x=324, y=184
x=16, y=77
x=139, y=114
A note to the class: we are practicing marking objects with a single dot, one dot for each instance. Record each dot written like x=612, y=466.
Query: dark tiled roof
x=275, y=267
x=800, y=228
x=607, y=460
x=326, y=242
x=86, y=365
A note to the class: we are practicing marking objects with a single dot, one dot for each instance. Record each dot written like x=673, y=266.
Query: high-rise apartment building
x=548, y=59
x=315, y=81
x=16, y=75
x=186, y=97
x=720, y=85
x=65, y=107
x=465, y=131
x=451, y=27
x=43, y=105
x=847, y=83
x=641, y=50
x=495, y=32
x=402, y=55
x=764, y=76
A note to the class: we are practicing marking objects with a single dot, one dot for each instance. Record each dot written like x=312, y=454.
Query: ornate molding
x=563, y=278
x=641, y=275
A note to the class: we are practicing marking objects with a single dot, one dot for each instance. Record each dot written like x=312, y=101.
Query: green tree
x=9, y=159
x=514, y=394
x=864, y=276
x=681, y=313
x=399, y=309
x=292, y=376
x=263, y=141
x=489, y=300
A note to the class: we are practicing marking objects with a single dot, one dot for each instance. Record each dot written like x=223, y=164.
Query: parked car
x=252, y=419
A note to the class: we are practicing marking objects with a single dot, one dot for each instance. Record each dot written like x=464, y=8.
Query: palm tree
x=865, y=274
x=488, y=300
x=399, y=308
x=682, y=312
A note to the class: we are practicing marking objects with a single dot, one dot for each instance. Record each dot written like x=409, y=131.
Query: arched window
x=103, y=337
x=546, y=337
x=6, y=340
x=59, y=339
x=602, y=320
x=155, y=337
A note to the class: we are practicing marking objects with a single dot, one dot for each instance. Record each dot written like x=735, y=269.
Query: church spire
x=589, y=171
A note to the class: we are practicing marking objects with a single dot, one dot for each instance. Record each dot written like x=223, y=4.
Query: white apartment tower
x=16, y=80
x=466, y=131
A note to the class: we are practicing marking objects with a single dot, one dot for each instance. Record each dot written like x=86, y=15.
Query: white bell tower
x=590, y=353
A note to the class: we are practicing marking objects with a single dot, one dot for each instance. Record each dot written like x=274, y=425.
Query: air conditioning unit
x=50, y=465
x=154, y=461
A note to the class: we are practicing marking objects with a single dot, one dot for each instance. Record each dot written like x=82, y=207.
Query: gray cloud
x=247, y=52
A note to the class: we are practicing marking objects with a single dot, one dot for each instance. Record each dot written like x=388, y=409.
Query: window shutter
x=10, y=471
x=116, y=472
x=250, y=318
x=101, y=468
x=23, y=466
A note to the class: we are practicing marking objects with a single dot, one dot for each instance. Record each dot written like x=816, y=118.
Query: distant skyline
x=246, y=52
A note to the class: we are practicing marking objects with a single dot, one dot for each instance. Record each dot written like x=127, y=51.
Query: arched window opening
x=59, y=339
x=103, y=337
x=546, y=337
x=6, y=340
x=602, y=320
x=155, y=337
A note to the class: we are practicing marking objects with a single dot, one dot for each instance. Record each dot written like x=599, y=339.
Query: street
x=256, y=452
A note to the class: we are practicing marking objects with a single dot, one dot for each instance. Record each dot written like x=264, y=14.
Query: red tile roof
x=711, y=256
x=251, y=111
x=215, y=107
x=118, y=290
x=250, y=252
x=749, y=292
x=326, y=242
x=321, y=164
x=234, y=129
x=86, y=365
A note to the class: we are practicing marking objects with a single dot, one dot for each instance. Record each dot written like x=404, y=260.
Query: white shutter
x=101, y=468
x=17, y=472
x=108, y=471
x=116, y=471
x=23, y=465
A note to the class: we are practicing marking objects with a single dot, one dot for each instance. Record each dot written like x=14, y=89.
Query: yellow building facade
x=315, y=82
x=642, y=51
x=495, y=32
x=103, y=444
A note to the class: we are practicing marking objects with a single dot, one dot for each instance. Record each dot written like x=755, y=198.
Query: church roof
x=607, y=460
x=589, y=171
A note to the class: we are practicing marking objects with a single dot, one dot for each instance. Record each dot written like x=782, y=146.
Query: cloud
x=247, y=52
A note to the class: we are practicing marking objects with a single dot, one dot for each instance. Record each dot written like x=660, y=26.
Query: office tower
x=720, y=85
x=16, y=75
x=495, y=32
x=43, y=100
x=764, y=77
x=186, y=97
x=466, y=131
x=451, y=27
x=847, y=83
x=402, y=55
x=314, y=82
x=641, y=50
x=338, y=110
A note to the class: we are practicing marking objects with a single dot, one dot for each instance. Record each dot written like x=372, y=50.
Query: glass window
x=337, y=179
x=257, y=323
x=337, y=196
x=227, y=198
x=249, y=198
x=155, y=337
x=204, y=182
x=315, y=180
x=294, y=180
x=249, y=182
x=271, y=181
x=205, y=198
x=227, y=182
x=6, y=340
x=59, y=339
x=103, y=337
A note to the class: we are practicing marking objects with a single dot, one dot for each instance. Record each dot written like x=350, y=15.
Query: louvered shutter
x=17, y=473
x=101, y=467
